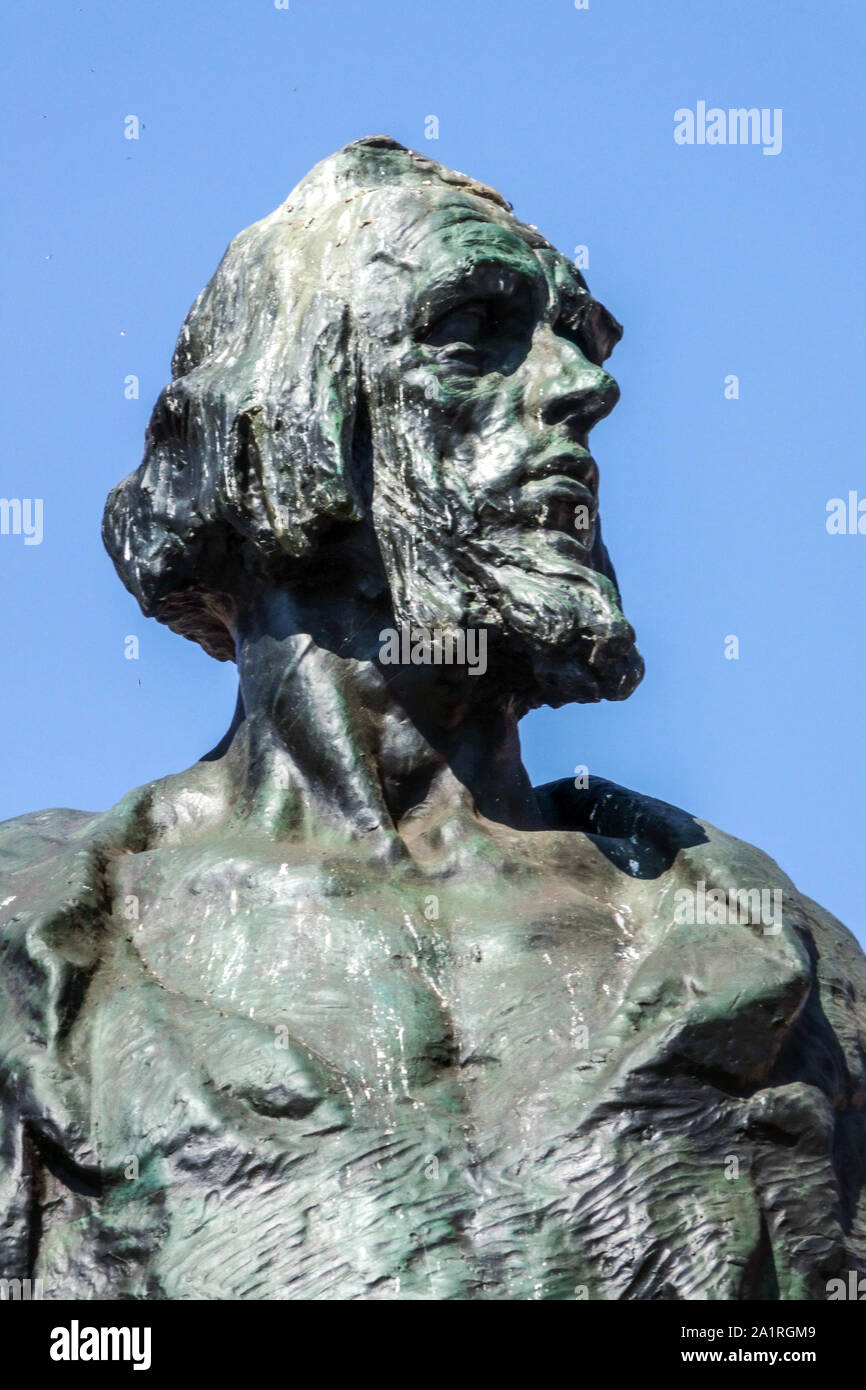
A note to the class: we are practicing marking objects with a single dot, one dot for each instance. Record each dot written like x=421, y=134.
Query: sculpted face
x=390, y=347
x=481, y=351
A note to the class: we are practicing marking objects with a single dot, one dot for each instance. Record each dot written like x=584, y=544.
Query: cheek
x=476, y=421
x=497, y=441
x=433, y=429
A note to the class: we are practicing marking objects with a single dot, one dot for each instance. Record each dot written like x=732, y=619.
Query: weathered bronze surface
x=349, y=1010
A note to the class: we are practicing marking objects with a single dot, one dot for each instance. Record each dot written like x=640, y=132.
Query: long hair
x=248, y=453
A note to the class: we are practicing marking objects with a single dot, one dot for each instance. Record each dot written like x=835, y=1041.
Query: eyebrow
x=542, y=269
x=595, y=327
x=479, y=274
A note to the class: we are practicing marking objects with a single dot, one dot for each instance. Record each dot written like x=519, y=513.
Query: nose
x=566, y=388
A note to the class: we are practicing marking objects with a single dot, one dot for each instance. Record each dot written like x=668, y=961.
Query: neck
x=330, y=738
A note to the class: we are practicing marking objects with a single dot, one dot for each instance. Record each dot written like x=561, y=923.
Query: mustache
x=547, y=596
x=555, y=491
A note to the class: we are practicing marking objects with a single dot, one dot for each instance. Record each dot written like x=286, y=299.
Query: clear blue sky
x=717, y=260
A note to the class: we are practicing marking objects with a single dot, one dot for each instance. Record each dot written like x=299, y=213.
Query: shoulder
x=639, y=834
x=145, y=817
x=648, y=839
x=607, y=808
x=28, y=840
x=646, y=835
x=53, y=903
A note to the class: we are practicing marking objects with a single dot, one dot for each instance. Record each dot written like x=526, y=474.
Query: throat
x=328, y=739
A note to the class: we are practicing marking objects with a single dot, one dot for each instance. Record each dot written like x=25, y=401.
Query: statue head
x=386, y=390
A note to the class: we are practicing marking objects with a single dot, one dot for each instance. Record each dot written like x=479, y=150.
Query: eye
x=489, y=333
x=467, y=324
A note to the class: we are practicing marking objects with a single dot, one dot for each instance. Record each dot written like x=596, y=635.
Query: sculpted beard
x=556, y=630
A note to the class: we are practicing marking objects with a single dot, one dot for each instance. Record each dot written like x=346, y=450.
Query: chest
x=391, y=979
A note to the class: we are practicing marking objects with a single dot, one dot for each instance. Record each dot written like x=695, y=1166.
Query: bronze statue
x=348, y=1009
